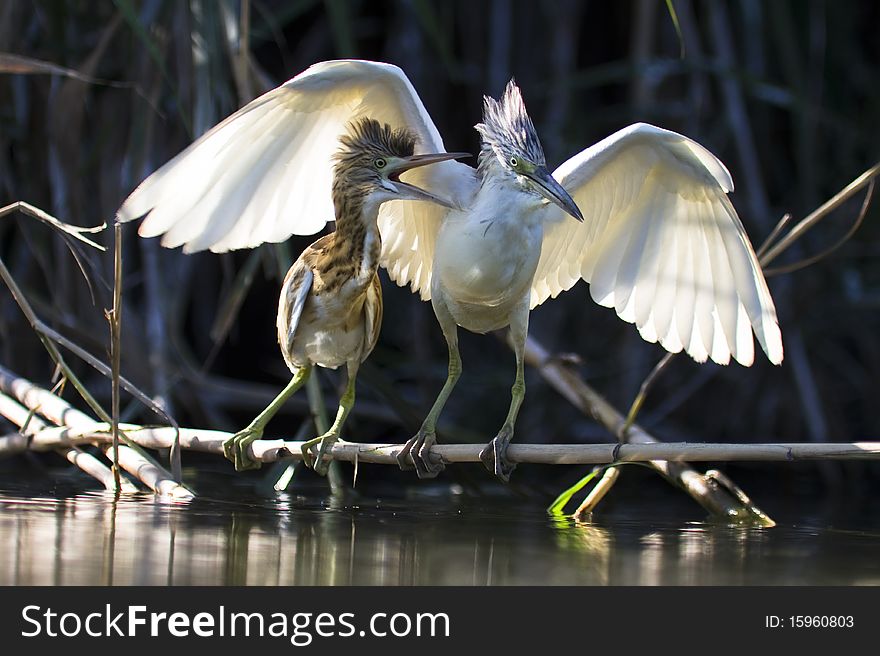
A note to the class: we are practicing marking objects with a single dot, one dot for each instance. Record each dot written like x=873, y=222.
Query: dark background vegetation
x=786, y=93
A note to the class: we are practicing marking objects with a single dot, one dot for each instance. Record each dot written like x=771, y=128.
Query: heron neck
x=356, y=239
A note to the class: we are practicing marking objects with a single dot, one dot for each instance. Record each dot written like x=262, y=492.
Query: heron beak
x=554, y=192
x=411, y=192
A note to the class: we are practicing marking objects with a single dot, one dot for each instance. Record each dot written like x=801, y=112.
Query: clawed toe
x=308, y=456
x=404, y=456
x=494, y=456
x=321, y=465
x=316, y=460
x=235, y=449
x=425, y=467
x=416, y=454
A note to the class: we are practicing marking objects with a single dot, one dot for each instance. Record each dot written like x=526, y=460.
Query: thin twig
x=818, y=214
x=77, y=232
x=774, y=234
x=609, y=477
x=807, y=261
x=49, y=337
x=20, y=65
x=115, y=318
x=102, y=368
x=643, y=394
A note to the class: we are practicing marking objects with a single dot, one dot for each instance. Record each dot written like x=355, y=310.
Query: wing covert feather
x=294, y=294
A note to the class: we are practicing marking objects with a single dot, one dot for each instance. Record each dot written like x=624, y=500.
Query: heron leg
x=325, y=441
x=235, y=448
x=494, y=456
x=416, y=452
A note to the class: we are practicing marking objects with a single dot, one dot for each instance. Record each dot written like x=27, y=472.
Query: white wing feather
x=265, y=172
x=662, y=245
x=409, y=229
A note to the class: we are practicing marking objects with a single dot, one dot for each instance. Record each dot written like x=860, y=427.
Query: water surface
x=64, y=535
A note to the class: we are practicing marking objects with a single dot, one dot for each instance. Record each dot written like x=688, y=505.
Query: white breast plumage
x=488, y=256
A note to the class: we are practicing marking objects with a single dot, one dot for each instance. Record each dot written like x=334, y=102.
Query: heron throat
x=356, y=245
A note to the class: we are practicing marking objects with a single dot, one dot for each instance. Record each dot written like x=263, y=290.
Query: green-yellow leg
x=346, y=403
x=236, y=447
x=494, y=456
x=417, y=450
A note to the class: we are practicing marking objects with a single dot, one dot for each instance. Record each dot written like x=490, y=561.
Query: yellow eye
x=380, y=163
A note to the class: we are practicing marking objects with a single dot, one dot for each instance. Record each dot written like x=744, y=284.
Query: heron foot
x=316, y=460
x=416, y=453
x=235, y=448
x=494, y=456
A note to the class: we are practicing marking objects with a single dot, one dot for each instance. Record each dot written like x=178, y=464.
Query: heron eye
x=380, y=163
x=514, y=162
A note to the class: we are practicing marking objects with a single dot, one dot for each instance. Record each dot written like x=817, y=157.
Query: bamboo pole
x=272, y=450
x=77, y=429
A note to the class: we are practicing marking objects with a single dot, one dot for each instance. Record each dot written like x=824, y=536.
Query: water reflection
x=91, y=538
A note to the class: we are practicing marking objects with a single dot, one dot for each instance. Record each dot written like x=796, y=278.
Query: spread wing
x=662, y=245
x=265, y=172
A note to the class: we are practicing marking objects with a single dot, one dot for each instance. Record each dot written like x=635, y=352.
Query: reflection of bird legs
x=235, y=448
x=329, y=438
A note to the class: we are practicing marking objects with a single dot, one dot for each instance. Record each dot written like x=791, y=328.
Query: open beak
x=411, y=192
x=553, y=191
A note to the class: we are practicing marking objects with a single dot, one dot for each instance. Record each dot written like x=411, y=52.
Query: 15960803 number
x=821, y=621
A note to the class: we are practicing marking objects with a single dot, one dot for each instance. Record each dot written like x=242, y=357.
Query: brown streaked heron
x=330, y=307
x=642, y=216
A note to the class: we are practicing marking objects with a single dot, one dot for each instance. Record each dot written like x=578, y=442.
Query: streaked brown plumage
x=330, y=307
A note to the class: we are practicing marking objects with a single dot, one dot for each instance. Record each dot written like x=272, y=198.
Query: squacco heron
x=642, y=216
x=330, y=307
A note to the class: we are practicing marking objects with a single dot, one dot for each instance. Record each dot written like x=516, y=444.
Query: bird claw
x=235, y=448
x=494, y=455
x=416, y=454
x=316, y=461
x=308, y=457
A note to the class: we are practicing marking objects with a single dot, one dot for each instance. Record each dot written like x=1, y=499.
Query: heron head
x=509, y=136
x=372, y=158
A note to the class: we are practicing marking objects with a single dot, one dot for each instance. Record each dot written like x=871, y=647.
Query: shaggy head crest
x=508, y=130
x=361, y=161
x=368, y=136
